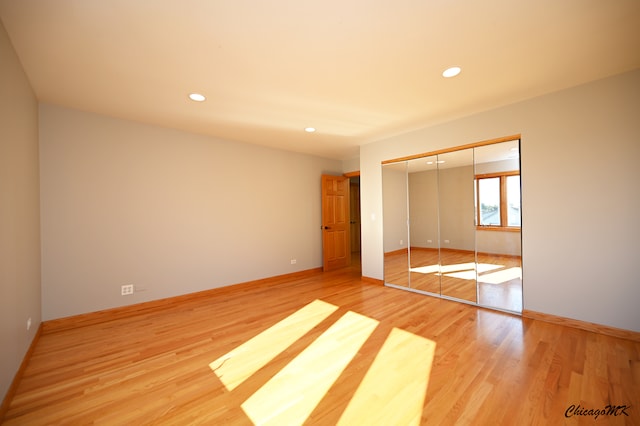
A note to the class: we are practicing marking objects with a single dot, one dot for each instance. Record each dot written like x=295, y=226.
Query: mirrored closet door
x=452, y=224
x=424, y=250
x=498, y=230
x=457, y=229
x=395, y=216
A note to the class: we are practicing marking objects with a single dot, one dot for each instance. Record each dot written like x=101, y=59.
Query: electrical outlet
x=401, y=242
x=294, y=261
x=29, y=324
x=126, y=289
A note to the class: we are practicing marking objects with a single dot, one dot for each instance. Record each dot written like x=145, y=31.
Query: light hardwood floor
x=325, y=349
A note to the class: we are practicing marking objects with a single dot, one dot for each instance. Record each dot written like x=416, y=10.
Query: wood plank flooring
x=363, y=351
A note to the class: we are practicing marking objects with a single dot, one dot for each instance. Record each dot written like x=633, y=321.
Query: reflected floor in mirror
x=500, y=284
x=499, y=276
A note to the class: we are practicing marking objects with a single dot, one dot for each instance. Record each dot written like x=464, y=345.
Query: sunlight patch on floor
x=238, y=365
x=500, y=277
x=464, y=271
x=393, y=390
x=428, y=269
x=293, y=393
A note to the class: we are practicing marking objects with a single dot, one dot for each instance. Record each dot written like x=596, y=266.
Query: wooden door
x=336, y=252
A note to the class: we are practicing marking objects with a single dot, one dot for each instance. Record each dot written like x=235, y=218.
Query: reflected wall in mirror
x=457, y=224
x=458, y=212
x=394, y=223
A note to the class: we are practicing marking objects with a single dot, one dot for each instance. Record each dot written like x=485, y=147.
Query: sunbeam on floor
x=392, y=390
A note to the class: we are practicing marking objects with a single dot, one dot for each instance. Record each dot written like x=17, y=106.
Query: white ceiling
x=357, y=70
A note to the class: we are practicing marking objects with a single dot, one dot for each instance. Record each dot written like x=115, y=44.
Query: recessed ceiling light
x=309, y=129
x=451, y=72
x=197, y=97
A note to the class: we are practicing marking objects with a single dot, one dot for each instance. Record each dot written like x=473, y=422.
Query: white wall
x=351, y=165
x=19, y=214
x=167, y=211
x=580, y=198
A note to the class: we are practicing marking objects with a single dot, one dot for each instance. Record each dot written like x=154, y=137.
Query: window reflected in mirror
x=498, y=234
